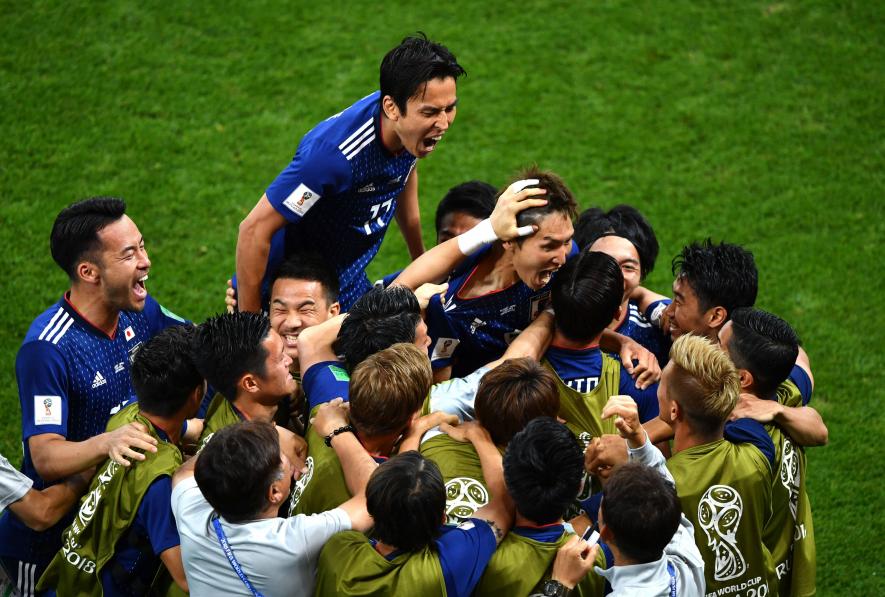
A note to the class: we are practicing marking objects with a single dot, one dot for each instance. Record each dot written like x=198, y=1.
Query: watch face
x=553, y=588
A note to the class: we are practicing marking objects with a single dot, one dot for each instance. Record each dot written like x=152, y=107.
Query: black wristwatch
x=554, y=588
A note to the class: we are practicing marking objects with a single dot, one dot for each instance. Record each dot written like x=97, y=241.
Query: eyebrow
x=426, y=107
x=128, y=248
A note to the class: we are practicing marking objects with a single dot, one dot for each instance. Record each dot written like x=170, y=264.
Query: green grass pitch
x=755, y=122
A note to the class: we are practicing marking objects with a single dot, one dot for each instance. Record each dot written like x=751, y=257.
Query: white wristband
x=477, y=237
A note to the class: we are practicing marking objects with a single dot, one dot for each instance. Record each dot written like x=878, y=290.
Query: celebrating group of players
x=494, y=419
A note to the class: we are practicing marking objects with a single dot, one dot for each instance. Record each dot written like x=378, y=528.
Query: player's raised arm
x=438, y=262
x=253, y=248
x=408, y=216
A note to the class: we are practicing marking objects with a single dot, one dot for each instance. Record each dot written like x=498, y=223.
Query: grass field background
x=754, y=122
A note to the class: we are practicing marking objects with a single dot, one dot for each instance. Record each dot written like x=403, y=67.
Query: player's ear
x=334, y=309
x=391, y=110
x=87, y=271
x=247, y=383
x=717, y=317
x=746, y=379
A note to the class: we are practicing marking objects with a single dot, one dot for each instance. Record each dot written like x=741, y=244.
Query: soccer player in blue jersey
x=586, y=297
x=73, y=366
x=353, y=172
x=626, y=235
x=498, y=281
x=500, y=287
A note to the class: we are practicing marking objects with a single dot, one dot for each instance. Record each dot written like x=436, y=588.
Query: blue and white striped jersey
x=340, y=192
x=71, y=378
x=640, y=327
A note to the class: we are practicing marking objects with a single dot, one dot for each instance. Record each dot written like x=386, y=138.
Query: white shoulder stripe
x=356, y=142
x=63, y=330
x=353, y=153
x=355, y=134
x=51, y=323
x=58, y=325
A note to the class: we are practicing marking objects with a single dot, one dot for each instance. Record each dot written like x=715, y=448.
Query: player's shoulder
x=345, y=133
x=53, y=330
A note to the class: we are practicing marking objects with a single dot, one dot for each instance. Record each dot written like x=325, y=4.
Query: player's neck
x=171, y=426
x=92, y=307
x=253, y=410
x=622, y=315
x=561, y=341
x=684, y=437
x=522, y=521
x=389, y=138
x=497, y=268
x=384, y=549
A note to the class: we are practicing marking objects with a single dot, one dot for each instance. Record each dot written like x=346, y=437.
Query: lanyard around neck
x=225, y=547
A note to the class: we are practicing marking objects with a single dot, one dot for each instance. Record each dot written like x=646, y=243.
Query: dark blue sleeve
x=316, y=170
x=325, y=381
x=655, y=310
x=646, y=400
x=389, y=278
x=590, y=506
x=748, y=431
x=155, y=515
x=799, y=377
x=42, y=377
x=443, y=337
x=159, y=317
x=464, y=553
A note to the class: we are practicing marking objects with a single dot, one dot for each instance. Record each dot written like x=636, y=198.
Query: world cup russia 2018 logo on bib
x=299, y=486
x=719, y=514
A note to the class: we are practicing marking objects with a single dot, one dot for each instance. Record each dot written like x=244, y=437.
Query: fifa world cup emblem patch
x=719, y=514
x=47, y=404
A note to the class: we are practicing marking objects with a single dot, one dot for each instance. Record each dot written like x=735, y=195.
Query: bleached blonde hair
x=705, y=383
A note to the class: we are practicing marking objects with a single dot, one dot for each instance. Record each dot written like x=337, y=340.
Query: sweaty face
x=295, y=305
x=622, y=251
x=454, y=223
x=123, y=265
x=686, y=315
x=541, y=254
x=429, y=113
x=277, y=382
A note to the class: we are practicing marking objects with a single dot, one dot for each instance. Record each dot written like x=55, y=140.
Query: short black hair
x=586, y=293
x=380, y=318
x=75, y=230
x=642, y=510
x=765, y=345
x=722, y=275
x=311, y=267
x=163, y=372
x=406, y=497
x=414, y=62
x=235, y=469
x=474, y=197
x=543, y=468
x=560, y=198
x=624, y=221
x=227, y=346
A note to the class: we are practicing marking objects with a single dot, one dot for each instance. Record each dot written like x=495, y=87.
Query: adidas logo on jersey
x=369, y=188
x=477, y=323
x=98, y=380
x=508, y=309
x=394, y=181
